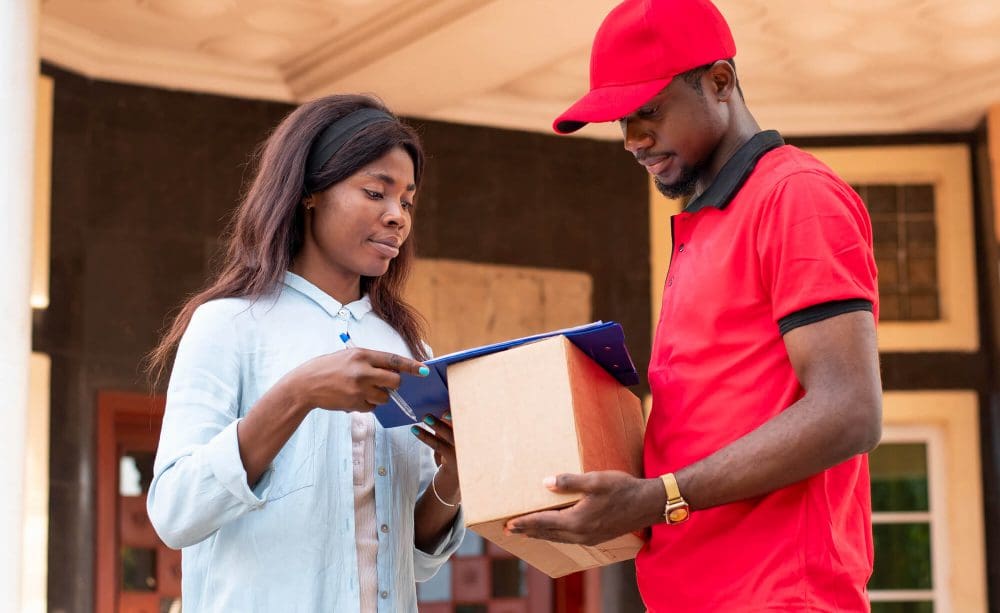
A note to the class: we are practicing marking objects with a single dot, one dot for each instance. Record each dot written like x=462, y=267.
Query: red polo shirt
x=778, y=241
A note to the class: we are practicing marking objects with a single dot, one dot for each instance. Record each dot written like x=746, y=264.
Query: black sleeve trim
x=819, y=312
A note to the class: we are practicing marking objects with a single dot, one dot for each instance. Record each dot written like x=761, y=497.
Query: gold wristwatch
x=677, y=510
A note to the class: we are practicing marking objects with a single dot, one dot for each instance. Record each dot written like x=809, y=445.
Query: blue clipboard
x=603, y=341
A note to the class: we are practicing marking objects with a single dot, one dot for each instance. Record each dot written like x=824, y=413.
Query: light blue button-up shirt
x=287, y=545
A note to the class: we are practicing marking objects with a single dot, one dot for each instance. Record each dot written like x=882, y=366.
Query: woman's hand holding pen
x=348, y=380
x=352, y=380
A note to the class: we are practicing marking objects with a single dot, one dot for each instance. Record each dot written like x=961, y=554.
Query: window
x=483, y=578
x=920, y=199
x=910, y=542
x=905, y=239
x=135, y=571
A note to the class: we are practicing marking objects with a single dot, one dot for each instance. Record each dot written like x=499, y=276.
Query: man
x=764, y=370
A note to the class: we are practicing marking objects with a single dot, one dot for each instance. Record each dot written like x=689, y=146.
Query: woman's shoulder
x=244, y=315
x=223, y=308
x=235, y=313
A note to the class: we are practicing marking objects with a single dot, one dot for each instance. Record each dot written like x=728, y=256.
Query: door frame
x=115, y=411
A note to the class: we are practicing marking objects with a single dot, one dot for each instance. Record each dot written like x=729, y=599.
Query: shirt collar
x=357, y=309
x=735, y=172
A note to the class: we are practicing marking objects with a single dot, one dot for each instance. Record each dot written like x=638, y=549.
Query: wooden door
x=136, y=572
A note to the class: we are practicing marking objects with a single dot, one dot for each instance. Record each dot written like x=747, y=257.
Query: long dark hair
x=268, y=228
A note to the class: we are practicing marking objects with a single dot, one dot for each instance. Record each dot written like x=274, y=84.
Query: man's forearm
x=803, y=440
x=835, y=360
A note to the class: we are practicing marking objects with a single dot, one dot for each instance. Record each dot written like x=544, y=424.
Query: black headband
x=339, y=132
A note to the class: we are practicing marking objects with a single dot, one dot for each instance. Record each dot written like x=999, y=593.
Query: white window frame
x=936, y=516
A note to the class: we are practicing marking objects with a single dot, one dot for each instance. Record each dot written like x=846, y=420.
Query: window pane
x=135, y=470
x=472, y=545
x=924, y=306
x=903, y=607
x=470, y=608
x=170, y=605
x=899, y=477
x=437, y=588
x=905, y=242
x=881, y=198
x=902, y=557
x=508, y=578
x=923, y=273
x=138, y=569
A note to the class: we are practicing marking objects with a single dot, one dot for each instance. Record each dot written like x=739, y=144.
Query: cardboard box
x=533, y=411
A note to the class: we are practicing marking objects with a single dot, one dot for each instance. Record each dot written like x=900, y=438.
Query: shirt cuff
x=448, y=544
x=223, y=454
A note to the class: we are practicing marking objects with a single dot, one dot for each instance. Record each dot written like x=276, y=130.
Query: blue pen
x=403, y=405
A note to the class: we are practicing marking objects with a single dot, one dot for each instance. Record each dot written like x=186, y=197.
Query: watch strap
x=670, y=486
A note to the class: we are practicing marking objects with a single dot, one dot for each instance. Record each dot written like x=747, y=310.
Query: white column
x=18, y=76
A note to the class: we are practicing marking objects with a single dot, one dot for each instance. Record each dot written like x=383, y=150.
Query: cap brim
x=609, y=103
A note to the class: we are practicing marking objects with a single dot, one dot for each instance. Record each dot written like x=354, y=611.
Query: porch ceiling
x=807, y=66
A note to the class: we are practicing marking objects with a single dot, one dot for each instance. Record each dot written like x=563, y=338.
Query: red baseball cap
x=638, y=50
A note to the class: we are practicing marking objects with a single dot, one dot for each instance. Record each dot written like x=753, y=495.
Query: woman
x=271, y=472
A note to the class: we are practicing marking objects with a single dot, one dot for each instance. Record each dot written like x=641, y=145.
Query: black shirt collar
x=735, y=172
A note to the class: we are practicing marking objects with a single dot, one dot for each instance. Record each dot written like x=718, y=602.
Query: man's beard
x=683, y=186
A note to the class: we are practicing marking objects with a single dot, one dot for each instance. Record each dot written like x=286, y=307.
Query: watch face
x=678, y=515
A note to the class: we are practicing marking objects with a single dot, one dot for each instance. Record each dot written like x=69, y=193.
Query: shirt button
x=381, y=471
x=385, y=528
x=681, y=248
x=384, y=595
x=670, y=282
x=343, y=313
